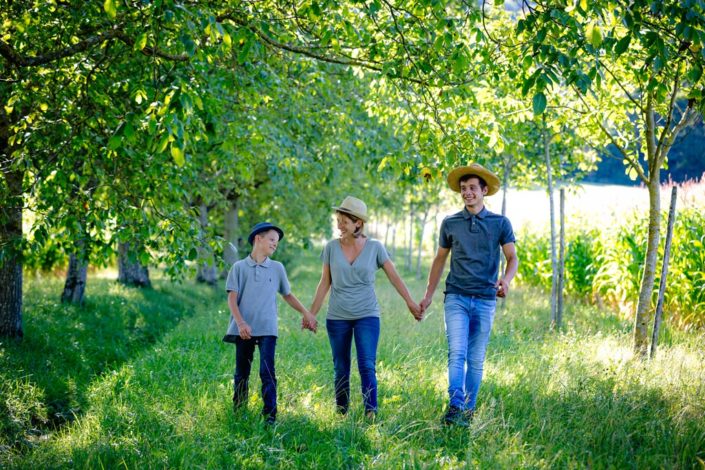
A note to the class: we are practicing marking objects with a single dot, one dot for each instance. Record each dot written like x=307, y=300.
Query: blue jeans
x=468, y=324
x=366, y=333
x=244, y=354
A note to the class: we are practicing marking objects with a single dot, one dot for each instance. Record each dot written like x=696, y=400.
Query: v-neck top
x=352, y=294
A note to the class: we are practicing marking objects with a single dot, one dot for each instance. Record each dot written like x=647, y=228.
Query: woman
x=349, y=265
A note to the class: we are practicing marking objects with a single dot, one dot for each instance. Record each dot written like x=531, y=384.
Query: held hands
x=309, y=322
x=245, y=330
x=415, y=310
x=425, y=303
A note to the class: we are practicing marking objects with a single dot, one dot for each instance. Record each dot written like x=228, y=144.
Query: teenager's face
x=269, y=241
x=472, y=193
x=346, y=225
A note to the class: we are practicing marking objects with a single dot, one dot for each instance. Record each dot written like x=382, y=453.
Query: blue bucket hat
x=263, y=227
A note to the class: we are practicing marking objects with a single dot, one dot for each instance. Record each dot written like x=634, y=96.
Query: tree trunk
x=206, y=263
x=386, y=233
x=10, y=254
x=552, y=209
x=561, y=263
x=410, y=251
x=393, y=253
x=75, y=285
x=664, y=272
x=641, y=320
x=130, y=271
x=231, y=235
x=420, y=247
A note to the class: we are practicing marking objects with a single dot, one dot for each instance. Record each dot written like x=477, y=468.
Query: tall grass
x=576, y=399
x=605, y=265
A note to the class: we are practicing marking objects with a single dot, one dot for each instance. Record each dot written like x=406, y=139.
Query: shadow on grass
x=66, y=347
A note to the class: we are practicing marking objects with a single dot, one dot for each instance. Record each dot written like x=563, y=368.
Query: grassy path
x=576, y=399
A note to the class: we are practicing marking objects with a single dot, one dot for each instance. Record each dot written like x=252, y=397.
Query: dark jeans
x=365, y=331
x=244, y=353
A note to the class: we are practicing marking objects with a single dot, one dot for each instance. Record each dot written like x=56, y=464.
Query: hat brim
x=254, y=233
x=490, y=178
x=348, y=211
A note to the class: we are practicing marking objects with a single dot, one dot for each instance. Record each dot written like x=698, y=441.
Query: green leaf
x=109, y=7
x=141, y=42
x=623, y=44
x=539, y=103
x=695, y=73
x=594, y=35
x=178, y=155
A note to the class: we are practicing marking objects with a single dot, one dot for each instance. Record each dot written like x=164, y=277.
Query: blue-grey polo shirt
x=256, y=286
x=475, y=242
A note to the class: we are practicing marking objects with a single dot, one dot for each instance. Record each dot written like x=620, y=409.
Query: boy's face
x=472, y=192
x=267, y=241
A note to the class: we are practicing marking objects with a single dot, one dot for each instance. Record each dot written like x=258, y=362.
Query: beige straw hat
x=477, y=170
x=353, y=206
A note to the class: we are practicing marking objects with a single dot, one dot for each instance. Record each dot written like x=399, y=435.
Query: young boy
x=252, y=286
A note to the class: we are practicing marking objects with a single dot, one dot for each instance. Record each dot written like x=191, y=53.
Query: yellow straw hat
x=477, y=170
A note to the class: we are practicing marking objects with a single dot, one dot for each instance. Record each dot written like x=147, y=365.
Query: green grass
x=575, y=399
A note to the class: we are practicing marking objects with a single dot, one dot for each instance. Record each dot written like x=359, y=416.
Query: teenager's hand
x=502, y=287
x=424, y=304
x=245, y=330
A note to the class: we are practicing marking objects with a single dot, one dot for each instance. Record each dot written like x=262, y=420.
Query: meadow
x=146, y=381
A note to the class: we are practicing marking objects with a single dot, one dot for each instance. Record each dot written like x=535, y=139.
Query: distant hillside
x=686, y=161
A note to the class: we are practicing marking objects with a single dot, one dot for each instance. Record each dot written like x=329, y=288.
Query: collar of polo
x=480, y=215
x=265, y=264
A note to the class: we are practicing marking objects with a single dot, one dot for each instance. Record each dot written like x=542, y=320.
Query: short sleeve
x=232, y=284
x=284, y=287
x=444, y=240
x=382, y=255
x=326, y=253
x=507, y=235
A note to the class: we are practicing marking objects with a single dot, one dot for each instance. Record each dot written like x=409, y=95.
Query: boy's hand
x=309, y=322
x=245, y=330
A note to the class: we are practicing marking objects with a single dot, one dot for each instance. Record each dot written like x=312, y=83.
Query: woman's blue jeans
x=468, y=323
x=365, y=331
x=244, y=354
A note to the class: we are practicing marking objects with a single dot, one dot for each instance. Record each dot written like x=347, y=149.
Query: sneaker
x=371, y=416
x=456, y=416
x=469, y=415
x=270, y=420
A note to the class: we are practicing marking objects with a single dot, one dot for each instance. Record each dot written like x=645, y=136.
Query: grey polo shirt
x=256, y=286
x=474, y=242
x=352, y=290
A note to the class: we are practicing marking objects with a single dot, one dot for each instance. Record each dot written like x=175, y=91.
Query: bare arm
x=242, y=326
x=434, y=276
x=321, y=290
x=309, y=321
x=502, y=284
x=399, y=285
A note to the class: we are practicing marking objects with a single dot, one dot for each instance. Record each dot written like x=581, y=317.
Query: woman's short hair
x=358, y=233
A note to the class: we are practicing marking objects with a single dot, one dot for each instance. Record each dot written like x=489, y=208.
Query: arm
x=502, y=284
x=321, y=290
x=242, y=326
x=309, y=321
x=399, y=285
x=434, y=276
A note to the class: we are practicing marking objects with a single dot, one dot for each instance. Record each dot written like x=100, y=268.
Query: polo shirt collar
x=251, y=262
x=480, y=215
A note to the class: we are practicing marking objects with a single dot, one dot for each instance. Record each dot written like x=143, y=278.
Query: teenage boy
x=474, y=236
x=252, y=286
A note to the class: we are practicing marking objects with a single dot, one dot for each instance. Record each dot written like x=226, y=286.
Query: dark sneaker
x=341, y=410
x=270, y=420
x=455, y=416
